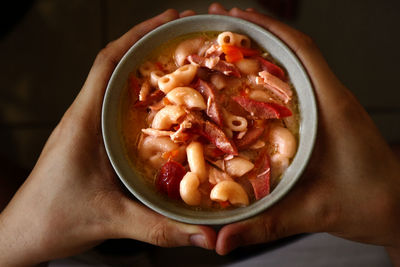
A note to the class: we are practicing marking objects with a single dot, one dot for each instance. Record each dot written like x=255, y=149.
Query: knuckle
x=106, y=54
x=304, y=42
x=158, y=234
x=273, y=229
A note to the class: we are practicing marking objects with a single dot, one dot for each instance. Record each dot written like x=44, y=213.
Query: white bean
x=283, y=140
x=238, y=166
x=284, y=144
x=279, y=164
x=230, y=191
x=248, y=65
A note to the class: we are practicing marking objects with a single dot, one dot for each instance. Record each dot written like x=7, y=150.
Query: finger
x=108, y=58
x=138, y=222
x=187, y=13
x=322, y=77
x=299, y=212
x=250, y=9
x=218, y=9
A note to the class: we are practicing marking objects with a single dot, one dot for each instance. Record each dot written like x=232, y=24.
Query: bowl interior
x=111, y=112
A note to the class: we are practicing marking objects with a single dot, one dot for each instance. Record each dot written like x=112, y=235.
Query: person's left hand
x=73, y=200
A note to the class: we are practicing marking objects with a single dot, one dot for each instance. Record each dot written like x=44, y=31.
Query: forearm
x=16, y=249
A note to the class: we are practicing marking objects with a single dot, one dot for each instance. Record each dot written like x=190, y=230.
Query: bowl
x=139, y=51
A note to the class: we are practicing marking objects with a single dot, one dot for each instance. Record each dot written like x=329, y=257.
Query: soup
x=211, y=120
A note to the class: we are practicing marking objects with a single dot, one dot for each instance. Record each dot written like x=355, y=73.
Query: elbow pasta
x=189, y=189
x=230, y=191
x=146, y=68
x=235, y=123
x=230, y=38
x=188, y=97
x=195, y=158
x=191, y=130
x=187, y=48
x=181, y=77
x=152, y=148
x=155, y=75
x=167, y=116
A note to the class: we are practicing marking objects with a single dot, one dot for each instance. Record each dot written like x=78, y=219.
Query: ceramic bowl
x=139, y=51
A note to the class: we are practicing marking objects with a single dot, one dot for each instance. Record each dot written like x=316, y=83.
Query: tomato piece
x=169, y=179
x=272, y=68
x=263, y=110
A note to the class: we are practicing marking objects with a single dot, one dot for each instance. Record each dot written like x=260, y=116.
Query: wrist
x=15, y=250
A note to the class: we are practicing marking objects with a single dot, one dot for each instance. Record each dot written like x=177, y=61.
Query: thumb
x=301, y=211
x=137, y=222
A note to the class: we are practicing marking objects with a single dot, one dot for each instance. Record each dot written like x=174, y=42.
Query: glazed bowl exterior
x=111, y=124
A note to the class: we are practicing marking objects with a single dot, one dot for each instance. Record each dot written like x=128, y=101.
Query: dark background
x=48, y=46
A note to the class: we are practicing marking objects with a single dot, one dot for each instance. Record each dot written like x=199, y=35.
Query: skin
x=351, y=187
x=72, y=200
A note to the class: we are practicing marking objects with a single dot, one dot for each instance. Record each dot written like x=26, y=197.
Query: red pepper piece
x=263, y=110
x=260, y=176
x=234, y=53
x=169, y=179
x=272, y=68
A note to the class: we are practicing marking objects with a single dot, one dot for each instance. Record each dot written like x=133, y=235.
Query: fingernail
x=233, y=242
x=198, y=240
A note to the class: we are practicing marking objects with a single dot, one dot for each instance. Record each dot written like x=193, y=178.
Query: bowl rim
x=259, y=205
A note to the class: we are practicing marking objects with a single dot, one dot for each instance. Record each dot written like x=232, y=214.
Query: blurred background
x=47, y=48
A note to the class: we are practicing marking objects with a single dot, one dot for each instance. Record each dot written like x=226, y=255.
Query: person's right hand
x=351, y=187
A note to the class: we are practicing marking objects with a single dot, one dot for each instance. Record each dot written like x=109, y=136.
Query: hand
x=351, y=187
x=72, y=200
